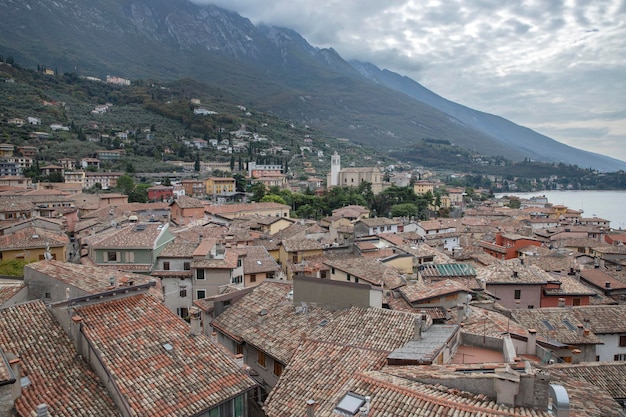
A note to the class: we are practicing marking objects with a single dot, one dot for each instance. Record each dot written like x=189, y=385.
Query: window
x=47, y=295
x=129, y=257
x=621, y=357
x=199, y=273
x=111, y=256
x=530, y=307
x=576, y=302
x=236, y=280
x=294, y=259
x=183, y=312
x=239, y=349
x=239, y=263
x=260, y=358
x=200, y=294
x=332, y=271
x=356, y=279
x=322, y=274
x=622, y=341
x=182, y=291
x=166, y=266
x=347, y=277
x=187, y=266
x=278, y=368
x=252, y=277
x=518, y=294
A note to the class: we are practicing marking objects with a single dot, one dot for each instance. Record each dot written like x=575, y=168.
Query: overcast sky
x=558, y=67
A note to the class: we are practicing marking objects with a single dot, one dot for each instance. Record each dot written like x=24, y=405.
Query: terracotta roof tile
x=512, y=272
x=9, y=289
x=368, y=270
x=556, y=324
x=66, y=383
x=129, y=335
x=91, y=279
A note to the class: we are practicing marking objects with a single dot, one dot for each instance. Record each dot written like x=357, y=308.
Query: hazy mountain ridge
x=274, y=69
x=492, y=125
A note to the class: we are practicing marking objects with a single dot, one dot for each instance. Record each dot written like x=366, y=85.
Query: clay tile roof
x=298, y=244
x=603, y=319
x=241, y=314
x=368, y=270
x=422, y=292
x=66, y=384
x=9, y=289
x=610, y=376
x=139, y=235
x=569, y=286
x=243, y=207
x=188, y=202
x=404, y=396
x=132, y=336
x=91, y=279
x=590, y=393
x=378, y=221
x=318, y=371
x=256, y=260
x=513, y=273
x=32, y=237
x=229, y=261
x=179, y=248
x=556, y=324
x=599, y=279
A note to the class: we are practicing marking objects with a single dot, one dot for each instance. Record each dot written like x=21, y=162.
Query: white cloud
x=555, y=66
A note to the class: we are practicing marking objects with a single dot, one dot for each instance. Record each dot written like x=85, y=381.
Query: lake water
x=609, y=205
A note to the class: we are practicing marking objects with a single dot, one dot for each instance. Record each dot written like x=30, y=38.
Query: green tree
x=240, y=182
x=125, y=184
x=404, y=210
x=257, y=190
x=196, y=165
x=272, y=198
x=56, y=177
x=13, y=267
x=139, y=194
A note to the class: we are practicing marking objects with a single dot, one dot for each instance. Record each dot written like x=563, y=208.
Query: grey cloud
x=540, y=64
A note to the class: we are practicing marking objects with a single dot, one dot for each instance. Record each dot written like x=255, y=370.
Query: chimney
x=514, y=274
x=42, y=410
x=310, y=408
x=112, y=281
x=239, y=360
x=195, y=323
x=531, y=344
x=460, y=313
x=586, y=323
x=16, y=367
x=417, y=328
x=607, y=284
x=580, y=329
x=214, y=337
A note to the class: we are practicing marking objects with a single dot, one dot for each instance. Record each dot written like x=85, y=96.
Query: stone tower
x=335, y=167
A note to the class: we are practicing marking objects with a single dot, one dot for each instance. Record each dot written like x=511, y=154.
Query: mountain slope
x=533, y=144
x=273, y=69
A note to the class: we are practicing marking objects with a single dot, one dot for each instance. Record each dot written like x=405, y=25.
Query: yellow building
x=423, y=186
x=31, y=244
x=295, y=250
x=219, y=185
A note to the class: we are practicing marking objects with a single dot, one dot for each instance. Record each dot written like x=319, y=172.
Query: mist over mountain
x=271, y=69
